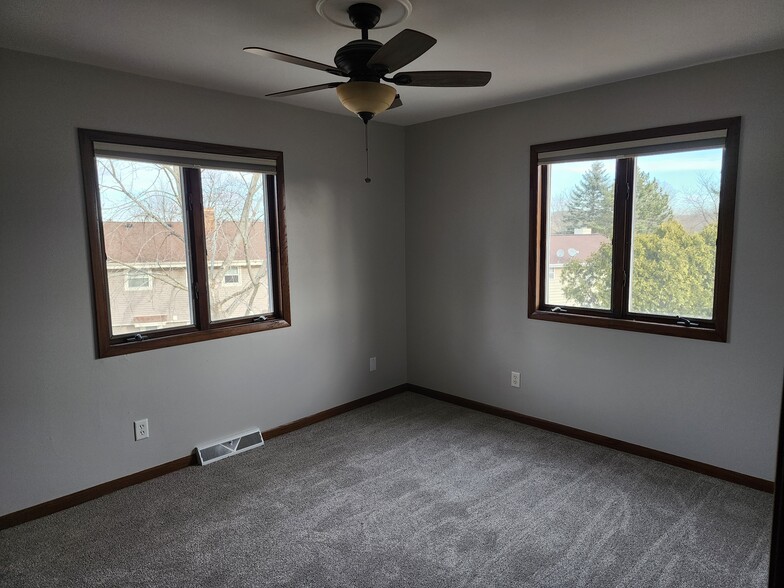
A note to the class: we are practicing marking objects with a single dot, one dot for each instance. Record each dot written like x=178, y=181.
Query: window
x=634, y=230
x=232, y=276
x=187, y=240
x=137, y=280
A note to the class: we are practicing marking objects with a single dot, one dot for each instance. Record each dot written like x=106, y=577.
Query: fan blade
x=400, y=50
x=396, y=102
x=306, y=89
x=442, y=79
x=295, y=60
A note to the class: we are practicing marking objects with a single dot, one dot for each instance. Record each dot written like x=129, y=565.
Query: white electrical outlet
x=515, y=379
x=141, y=429
x=372, y=364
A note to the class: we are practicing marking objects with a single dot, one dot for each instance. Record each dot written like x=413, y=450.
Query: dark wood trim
x=729, y=182
x=668, y=458
x=64, y=502
x=330, y=412
x=276, y=208
x=537, y=254
x=619, y=317
x=95, y=239
x=198, y=245
x=622, y=239
x=202, y=329
x=776, y=574
x=58, y=504
x=623, y=137
x=177, y=144
x=628, y=324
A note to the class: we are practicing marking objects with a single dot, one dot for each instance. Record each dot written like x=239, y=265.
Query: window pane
x=237, y=247
x=579, y=233
x=145, y=245
x=675, y=223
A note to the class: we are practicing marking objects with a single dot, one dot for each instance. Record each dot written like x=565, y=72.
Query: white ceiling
x=533, y=48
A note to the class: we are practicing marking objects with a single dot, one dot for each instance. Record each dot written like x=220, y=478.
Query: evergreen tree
x=651, y=203
x=590, y=203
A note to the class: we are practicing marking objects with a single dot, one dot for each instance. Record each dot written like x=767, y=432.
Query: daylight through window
x=634, y=230
x=187, y=240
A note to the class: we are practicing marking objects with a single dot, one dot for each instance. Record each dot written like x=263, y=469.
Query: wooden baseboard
x=668, y=458
x=58, y=504
x=330, y=412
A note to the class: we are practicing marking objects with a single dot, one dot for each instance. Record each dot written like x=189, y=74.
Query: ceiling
x=533, y=48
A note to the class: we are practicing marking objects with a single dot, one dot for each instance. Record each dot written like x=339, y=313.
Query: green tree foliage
x=672, y=269
x=651, y=203
x=590, y=203
x=589, y=284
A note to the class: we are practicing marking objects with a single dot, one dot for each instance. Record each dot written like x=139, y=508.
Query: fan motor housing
x=352, y=58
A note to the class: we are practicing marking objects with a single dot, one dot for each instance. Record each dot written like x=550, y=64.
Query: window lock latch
x=260, y=319
x=557, y=309
x=136, y=338
x=685, y=322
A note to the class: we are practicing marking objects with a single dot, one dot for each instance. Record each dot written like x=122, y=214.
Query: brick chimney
x=209, y=221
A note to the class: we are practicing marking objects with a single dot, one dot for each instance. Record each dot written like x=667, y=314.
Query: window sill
x=710, y=333
x=119, y=346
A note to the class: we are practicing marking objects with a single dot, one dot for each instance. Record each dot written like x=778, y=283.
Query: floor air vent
x=232, y=446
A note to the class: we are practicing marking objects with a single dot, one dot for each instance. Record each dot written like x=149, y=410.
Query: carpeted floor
x=407, y=492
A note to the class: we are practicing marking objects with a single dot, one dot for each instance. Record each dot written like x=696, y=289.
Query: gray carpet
x=407, y=492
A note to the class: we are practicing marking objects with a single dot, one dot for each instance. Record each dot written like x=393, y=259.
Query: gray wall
x=466, y=263
x=460, y=213
x=65, y=417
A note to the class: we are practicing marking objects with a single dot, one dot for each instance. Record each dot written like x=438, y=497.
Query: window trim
x=619, y=316
x=202, y=329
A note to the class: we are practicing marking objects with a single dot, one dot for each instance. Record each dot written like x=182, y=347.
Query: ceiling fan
x=366, y=63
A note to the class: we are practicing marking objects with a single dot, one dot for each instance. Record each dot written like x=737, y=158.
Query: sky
x=679, y=172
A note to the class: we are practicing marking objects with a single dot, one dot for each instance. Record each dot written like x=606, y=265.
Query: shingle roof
x=578, y=247
x=154, y=242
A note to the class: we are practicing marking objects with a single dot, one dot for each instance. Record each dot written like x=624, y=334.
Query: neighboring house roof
x=154, y=242
x=695, y=222
x=578, y=247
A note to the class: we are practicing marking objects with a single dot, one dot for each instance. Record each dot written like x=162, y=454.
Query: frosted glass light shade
x=372, y=97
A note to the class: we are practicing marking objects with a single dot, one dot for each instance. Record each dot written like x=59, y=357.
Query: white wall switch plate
x=372, y=364
x=515, y=379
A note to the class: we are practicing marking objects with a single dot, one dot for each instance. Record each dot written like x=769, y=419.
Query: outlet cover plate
x=141, y=429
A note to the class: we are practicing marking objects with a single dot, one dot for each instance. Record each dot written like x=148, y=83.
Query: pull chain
x=367, y=157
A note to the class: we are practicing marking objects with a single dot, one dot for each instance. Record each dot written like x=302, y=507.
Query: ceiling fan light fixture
x=363, y=98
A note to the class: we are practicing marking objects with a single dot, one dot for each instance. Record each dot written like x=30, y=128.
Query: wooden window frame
x=202, y=329
x=619, y=316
